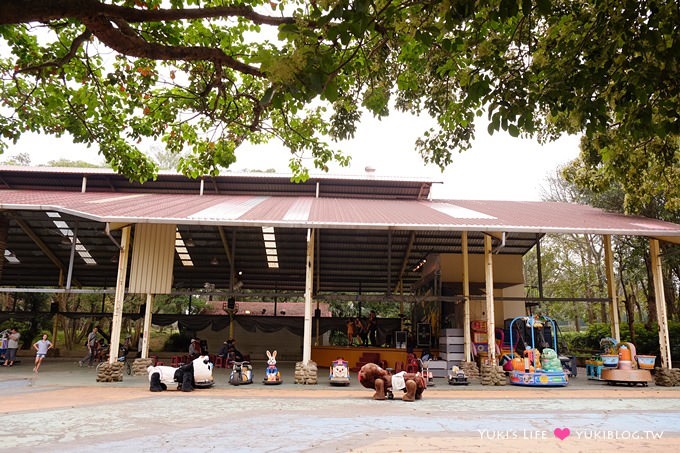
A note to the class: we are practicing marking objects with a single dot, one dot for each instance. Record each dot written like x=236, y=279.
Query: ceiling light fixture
x=214, y=261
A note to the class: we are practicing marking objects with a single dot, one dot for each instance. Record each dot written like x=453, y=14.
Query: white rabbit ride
x=272, y=374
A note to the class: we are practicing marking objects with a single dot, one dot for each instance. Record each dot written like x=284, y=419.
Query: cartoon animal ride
x=195, y=374
x=339, y=372
x=272, y=374
x=550, y=361
x=241, y=374
x=374, y=377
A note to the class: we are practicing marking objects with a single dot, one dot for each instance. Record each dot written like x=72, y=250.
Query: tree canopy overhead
x=206, y=76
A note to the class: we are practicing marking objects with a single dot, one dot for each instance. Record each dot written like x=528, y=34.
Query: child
x=41, y=346
x=350, y=332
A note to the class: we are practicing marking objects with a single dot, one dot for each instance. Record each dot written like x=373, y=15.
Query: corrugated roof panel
x=458, y=212
x=299, y=211
x=370, y=213
x=229, y=210
x=272, y=210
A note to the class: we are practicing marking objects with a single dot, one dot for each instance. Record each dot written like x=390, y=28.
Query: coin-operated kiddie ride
x=456, y=376
x=241, y=373
x=195, y=374
x=630, y=368
x=339, y=373
x=272, y=375
x=537, y=368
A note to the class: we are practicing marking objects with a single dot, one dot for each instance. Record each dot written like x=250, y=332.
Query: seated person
x=101, y=350
x=194, y=348
x=235, y=353
x=224, y=350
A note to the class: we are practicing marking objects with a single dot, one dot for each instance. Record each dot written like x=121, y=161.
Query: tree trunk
x=651, y=297
x=630, y=314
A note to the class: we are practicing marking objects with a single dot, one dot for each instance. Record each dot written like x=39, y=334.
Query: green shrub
x=646, y=340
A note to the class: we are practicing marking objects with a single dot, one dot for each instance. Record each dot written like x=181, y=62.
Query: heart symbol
x=562, y=433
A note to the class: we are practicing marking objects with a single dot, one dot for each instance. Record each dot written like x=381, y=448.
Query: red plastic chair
x=412, y=365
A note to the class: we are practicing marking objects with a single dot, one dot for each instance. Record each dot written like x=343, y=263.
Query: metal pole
x=538, y=265
x=74, y=238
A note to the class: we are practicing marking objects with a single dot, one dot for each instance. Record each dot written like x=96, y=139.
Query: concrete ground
x=63, y=408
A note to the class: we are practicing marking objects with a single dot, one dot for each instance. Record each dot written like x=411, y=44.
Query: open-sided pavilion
x=75, y=229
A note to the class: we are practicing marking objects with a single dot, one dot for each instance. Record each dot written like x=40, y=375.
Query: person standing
x=361, y=329
x=41, y=347
x=3, y=344
x=373, y=328
x=91, y=347
x=350, y=332
x=12, y=346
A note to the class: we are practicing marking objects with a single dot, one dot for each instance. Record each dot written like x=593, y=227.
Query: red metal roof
x=309, y=212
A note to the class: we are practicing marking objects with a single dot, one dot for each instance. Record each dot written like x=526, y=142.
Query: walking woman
x=12, y=346
x=41, y=347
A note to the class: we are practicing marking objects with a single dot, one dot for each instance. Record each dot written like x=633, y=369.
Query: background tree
x=572, y=265
x=21, y=159
x=204, y=76
x=71, y=163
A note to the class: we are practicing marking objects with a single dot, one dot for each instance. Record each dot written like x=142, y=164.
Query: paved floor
x=63, y=408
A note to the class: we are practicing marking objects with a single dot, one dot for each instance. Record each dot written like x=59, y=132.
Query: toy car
x=241, y=374
x=339, y=374
x=457, y=376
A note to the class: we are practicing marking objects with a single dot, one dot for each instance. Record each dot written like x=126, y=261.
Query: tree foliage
x=204, y=76
x=573, y=265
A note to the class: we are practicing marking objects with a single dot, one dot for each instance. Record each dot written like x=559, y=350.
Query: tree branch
x=127, y=43
x=24, y=11
x=75, y=45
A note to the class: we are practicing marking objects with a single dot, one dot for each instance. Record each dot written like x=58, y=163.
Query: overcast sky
x=497, y=167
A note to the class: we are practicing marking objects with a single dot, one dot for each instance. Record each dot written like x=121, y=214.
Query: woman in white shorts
x=41, y=346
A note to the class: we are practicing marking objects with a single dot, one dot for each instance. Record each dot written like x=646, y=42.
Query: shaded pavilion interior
x=372, y=260
x=61, y=230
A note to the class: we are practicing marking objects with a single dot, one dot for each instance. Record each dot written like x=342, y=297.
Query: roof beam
x=671, y=239
x=41, y=245
x=404, y=263
x=225, y=244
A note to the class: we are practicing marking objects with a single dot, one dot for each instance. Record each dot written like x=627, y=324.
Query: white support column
x=120, y=294
x=660, y=298
x=490, y=317
x=147, y=326
x=309, y=280
x=611, y=288
x=466, y=295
